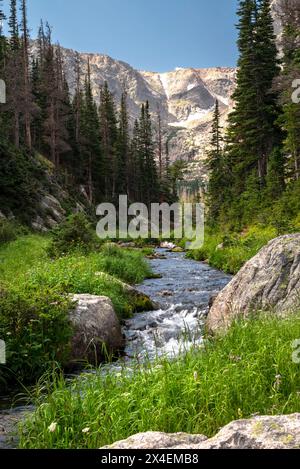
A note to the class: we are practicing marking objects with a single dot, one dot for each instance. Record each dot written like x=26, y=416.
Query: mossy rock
x=178, y=249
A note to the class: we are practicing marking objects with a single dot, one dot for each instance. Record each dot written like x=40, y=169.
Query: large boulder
x=269, y=282
x=276, y=432
x=97, y=330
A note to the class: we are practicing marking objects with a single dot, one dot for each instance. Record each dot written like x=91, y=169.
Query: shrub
x=7, y=231
x=21, y=180
x=236, y=249
x=35, y=326
x=75, y=233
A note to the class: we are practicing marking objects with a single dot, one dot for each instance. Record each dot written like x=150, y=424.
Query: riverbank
x=35, y=300
x=181, y=382
x=230, y=251
x=248, y=371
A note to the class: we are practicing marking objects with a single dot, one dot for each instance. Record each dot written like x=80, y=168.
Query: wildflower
x=278, y=381
x=52, y=427
x=235, y=358
x=86, y=430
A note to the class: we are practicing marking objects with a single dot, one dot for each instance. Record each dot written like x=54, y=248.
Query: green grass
x=236, y=250
x=17, y=257
x=35, y=299
x=250, y=370
x=99, y=273
x=25, y=262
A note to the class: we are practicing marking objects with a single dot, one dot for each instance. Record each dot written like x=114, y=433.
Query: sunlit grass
x=230, y=252
x=17, y=257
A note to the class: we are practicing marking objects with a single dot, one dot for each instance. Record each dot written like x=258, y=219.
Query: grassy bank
x=229, y=252
x=34, y=299
x=248, y=371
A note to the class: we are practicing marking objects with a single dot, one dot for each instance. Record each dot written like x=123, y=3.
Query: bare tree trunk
x=17, y=128
x=90, y=179
x=52, y=133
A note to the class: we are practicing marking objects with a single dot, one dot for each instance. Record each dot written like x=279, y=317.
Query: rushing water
x=182, y=293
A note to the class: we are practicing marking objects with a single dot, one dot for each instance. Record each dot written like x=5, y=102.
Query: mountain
x=185, y=99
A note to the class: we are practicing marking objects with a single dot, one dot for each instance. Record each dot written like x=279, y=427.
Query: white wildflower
x=52, y=427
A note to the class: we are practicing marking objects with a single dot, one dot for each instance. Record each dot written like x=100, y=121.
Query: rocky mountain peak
x=185, y=98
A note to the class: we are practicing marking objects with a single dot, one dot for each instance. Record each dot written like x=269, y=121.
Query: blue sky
x=156, y=35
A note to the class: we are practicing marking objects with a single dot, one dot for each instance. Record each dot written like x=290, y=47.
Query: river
x=183, y=293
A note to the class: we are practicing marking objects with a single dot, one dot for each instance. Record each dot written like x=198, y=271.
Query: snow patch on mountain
x=164, y=81
x=191, y=86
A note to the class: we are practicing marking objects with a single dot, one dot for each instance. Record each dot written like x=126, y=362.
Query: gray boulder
x=275, y=432
x=97, y=329
x=268, y=282
x=52, y=206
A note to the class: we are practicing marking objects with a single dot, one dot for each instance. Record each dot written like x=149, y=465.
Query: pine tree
x=122, y=149
x=29, y=107
x=14, y=26
x=215, y=165
x=109, y=134
x=149, y=177
x=290, y=118
x=2, y=40
x=266, y=70
x=135, y=167
x=3, y=119
x=91, y=143
x=13, y=77
x=253, y=133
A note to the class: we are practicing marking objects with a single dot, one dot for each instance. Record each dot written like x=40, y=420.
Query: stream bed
x=183, y=293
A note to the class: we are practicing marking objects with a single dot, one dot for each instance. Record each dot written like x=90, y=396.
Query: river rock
x=270, y=281
x=158, y=440
x=127, y=245
x=274, y=432
x=9, y=421
x=167, y=245
x=96, y=327
x=177, y=249
x=140, y=301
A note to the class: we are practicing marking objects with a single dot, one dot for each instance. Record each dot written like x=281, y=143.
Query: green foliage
x=34, y=299
x=215, y=165
x=73, y=234
x=96, y=273
x=7, y=231
x=248, y=371
x=20, y=181
x=17, y=257
x=35, y=326
x=250, y=176
x=230, y=251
